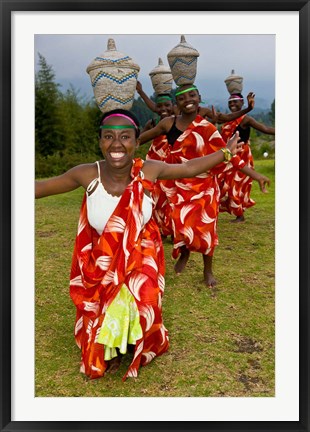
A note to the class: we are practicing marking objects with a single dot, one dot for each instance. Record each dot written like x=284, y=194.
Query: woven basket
x=113, y=77
x=234, y=83
x=182, y=60
x=161, y=78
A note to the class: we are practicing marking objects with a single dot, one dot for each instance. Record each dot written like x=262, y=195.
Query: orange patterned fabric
x=129, y=253
x=195, y=200
x=159, y=150
x=234, y=185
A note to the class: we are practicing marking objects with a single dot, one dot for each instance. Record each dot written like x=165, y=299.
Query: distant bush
x=261, y=144
x=59, y=162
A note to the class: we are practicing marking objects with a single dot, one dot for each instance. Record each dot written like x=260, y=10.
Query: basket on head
x=161, y=78
x=234, y=83
x=182, y=60
x=113, y=77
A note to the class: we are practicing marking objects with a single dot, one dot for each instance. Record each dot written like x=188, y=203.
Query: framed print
x=24, y=404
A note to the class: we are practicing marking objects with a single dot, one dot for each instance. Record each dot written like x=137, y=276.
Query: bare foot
x=238, y=219
x=209, y=279
x=114, y=365
x=182, y=261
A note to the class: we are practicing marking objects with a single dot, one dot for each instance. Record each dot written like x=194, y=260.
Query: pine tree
x=48, y=122
x=81, y=120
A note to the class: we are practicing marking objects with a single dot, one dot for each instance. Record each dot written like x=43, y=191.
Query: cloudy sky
x=251, y=56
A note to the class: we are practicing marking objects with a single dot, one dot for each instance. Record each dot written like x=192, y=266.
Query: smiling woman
x=117, y=273
x=236, y=187
x=194, y=202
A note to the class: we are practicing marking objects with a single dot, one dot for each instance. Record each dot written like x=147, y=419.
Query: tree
x=81, y=124
x=48, y=122
x=72, y=114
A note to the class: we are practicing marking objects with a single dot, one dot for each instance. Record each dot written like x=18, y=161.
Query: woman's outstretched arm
x=70, y=180
x=160, y=170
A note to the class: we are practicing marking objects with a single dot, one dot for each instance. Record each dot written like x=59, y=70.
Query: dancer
x=236, y=186
x=159, y=150
x=117, y=274
x=194, y=201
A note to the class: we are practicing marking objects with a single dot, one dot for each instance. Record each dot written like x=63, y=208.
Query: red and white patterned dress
x=126, y=253
x=234, y=185
x=159, y=150
x=195, y=201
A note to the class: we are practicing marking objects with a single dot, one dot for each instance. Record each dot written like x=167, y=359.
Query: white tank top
x=101, y=205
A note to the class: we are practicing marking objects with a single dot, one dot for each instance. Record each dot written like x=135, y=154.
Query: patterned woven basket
x=161, y=78
x=113, y=77
x=183, y=62
x=234, y=83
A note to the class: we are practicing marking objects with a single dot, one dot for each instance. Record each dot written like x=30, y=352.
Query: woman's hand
x=251, y=101
x=213, y=116
x=233, y=145
x=263, y=181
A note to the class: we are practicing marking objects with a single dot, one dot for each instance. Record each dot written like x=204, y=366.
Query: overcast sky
x=251, y=56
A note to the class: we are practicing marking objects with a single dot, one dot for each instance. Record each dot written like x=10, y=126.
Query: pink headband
x=122, y=115
x=235, y=97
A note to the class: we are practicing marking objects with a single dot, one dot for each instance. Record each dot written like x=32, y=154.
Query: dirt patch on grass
x=245, y=344
x=45, y=233
x=248, y=381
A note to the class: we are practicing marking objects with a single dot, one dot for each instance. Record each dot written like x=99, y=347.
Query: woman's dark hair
x=124, y=112
x=164, y=94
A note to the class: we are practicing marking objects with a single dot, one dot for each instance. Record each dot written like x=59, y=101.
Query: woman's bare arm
x=161, y=128
x=160, y=170
x=261, y=127
x=148, y=102
x=72, y=179
x=218, y=117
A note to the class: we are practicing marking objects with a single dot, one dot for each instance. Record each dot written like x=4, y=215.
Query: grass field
x=222, y=340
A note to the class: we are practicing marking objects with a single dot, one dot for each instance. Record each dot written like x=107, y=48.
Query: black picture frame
x=7, y=7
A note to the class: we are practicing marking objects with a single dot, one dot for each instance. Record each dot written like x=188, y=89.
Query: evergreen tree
x=73, y=118
x=48, y=122
x=92, y=116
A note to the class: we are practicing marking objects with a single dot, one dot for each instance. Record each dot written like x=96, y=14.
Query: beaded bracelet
x=227, y=154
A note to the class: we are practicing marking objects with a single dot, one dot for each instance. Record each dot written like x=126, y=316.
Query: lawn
x=222, y=340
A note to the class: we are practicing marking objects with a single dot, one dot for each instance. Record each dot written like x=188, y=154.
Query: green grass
x=222, y=340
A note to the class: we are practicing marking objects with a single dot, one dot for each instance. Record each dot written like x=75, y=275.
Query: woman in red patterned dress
x=117, y=273
x=158, y=150
x=194, y=201
x=235, y=186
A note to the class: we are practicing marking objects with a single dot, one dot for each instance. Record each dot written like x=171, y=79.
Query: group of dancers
x=191, y=172
x=187, y=209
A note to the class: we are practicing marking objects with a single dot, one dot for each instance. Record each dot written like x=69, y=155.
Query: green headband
x=186, y=90
x=163, y=99
x=117, y=127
